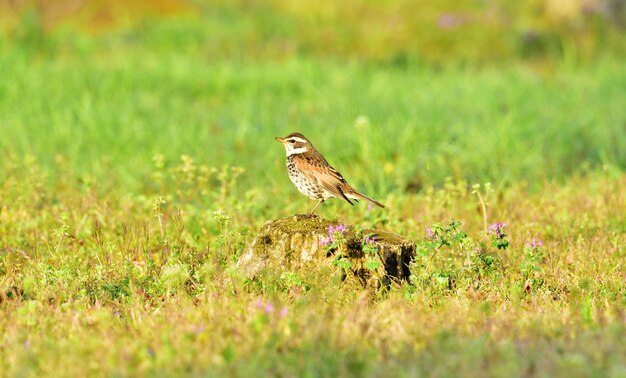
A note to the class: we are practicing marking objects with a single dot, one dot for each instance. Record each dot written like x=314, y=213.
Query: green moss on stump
x=293, y=243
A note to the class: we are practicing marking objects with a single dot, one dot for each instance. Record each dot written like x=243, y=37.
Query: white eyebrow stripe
x=298, y=139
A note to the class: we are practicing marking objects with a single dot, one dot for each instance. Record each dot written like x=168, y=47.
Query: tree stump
x=300, y=242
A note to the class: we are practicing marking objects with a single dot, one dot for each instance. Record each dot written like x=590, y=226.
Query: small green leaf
x=343, y=263
x=371, y=264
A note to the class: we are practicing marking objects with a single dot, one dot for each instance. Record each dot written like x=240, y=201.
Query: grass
x=505, y=125
x=131, y=182
x=90, y=277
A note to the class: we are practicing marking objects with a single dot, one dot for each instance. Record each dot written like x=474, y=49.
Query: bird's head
x=295, y=143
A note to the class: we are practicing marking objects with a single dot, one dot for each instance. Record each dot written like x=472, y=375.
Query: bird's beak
x=281, y=140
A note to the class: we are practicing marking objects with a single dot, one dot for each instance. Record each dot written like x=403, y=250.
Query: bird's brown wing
x=331, y=180
x=327, y=177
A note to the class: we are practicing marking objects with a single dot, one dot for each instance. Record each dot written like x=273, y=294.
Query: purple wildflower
x=269, y=308
x=332, y=234
x=498, y=230
x=369, y=240
x=369, y=207
x=498, y=235
x=534, y=243
x=431, y=235
x=451, y=20
x=283, y=312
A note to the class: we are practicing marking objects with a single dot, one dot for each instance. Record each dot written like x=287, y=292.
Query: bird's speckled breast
x=305, y=186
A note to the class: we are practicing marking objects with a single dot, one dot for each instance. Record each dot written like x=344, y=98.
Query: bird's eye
x=291, y=141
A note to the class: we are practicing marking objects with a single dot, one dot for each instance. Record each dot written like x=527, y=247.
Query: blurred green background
x=397, y=94
x=446, y=32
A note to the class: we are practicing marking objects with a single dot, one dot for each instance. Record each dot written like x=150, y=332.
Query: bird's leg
x=316, y=206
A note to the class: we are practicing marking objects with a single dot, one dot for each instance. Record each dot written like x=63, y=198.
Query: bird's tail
x=356, y=195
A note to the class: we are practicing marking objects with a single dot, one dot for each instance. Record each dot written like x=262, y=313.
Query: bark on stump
x=294, y=243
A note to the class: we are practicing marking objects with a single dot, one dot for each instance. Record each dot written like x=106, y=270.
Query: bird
x=313, y=176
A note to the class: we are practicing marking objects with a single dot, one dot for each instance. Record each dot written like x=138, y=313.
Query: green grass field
x=137, y=166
